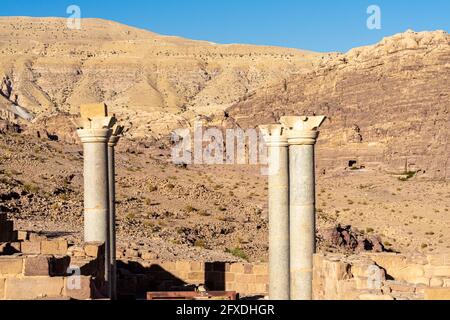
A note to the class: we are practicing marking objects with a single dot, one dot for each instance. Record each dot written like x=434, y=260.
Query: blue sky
x=320, y=25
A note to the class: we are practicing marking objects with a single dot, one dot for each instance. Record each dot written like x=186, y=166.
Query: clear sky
x=319, y=25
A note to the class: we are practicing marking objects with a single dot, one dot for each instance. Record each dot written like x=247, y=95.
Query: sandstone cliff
x=388, y=105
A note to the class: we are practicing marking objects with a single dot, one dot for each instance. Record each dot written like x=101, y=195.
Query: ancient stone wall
x=34, y=267
x=382, y=276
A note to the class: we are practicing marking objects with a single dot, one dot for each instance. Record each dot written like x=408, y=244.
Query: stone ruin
x=35, y=267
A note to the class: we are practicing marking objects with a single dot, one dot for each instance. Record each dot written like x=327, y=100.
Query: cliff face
x=155, y=82
x=388, y=105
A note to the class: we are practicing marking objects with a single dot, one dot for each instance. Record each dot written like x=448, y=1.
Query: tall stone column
x=94, y=130
x=113, y=140
x=278, y=174
x=302, y=134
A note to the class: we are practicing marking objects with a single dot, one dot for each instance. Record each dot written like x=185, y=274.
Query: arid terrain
x=382, y=158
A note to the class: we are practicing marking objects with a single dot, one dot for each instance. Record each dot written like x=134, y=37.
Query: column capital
x=115, y=135
x=96, y=129
x=302, y=130
x=274, y=135
x=94, y=135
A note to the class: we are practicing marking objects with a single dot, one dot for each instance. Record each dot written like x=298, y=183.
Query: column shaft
x=96, y=198
x=302, y=220
x=96, y=192
x=278, y=223
x=112, y=222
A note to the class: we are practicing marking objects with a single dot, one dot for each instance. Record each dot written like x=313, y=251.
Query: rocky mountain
x=387, y=105
x=155, y=83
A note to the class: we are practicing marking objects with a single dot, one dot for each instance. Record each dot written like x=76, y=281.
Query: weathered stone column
x=94, y=130
x=113, y=140
x=302, y=134
x=278, y=175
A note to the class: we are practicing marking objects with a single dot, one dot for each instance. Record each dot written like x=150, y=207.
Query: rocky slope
x=388, y=105
x=154, y=83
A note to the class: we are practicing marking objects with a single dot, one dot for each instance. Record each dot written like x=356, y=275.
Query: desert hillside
x=382, y=154
x=155, y=83
x=388, y=105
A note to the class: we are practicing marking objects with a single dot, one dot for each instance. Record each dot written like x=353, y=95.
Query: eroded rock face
x=387, y=104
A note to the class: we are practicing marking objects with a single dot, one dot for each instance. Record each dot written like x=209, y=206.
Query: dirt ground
x=205, y=212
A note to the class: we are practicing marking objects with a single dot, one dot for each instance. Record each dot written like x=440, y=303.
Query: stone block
x=11, y=265
x=317, y=261
x=196, y=276
x=437, y=294
x=37, y=266
x=245, y=278
x=436, y=282
x=57, y=248
x=89, y=111
x=336, y=269
x=22, y=235
x=248, y=268
x=260, y=269
x=399, y=267
x=346, y=285
x=230, y=286
x=79, y=287
x=408, y=273
x=197, y=266
x=94, y=249
x=230, y=277
x=363, y=270
x=420, y=281
x=30, y=288
x=31, y=247
x=439, y=259
x=401, y=287
x=446, y=283
x=237, y=268
x=36, y=237
x=76, y=251
x=261, y=288
x=263, y=279
x=362, y=283
x=389, y=260
x=183, y=266
x=241, y=288
x=437, y=271
x=348, y=295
